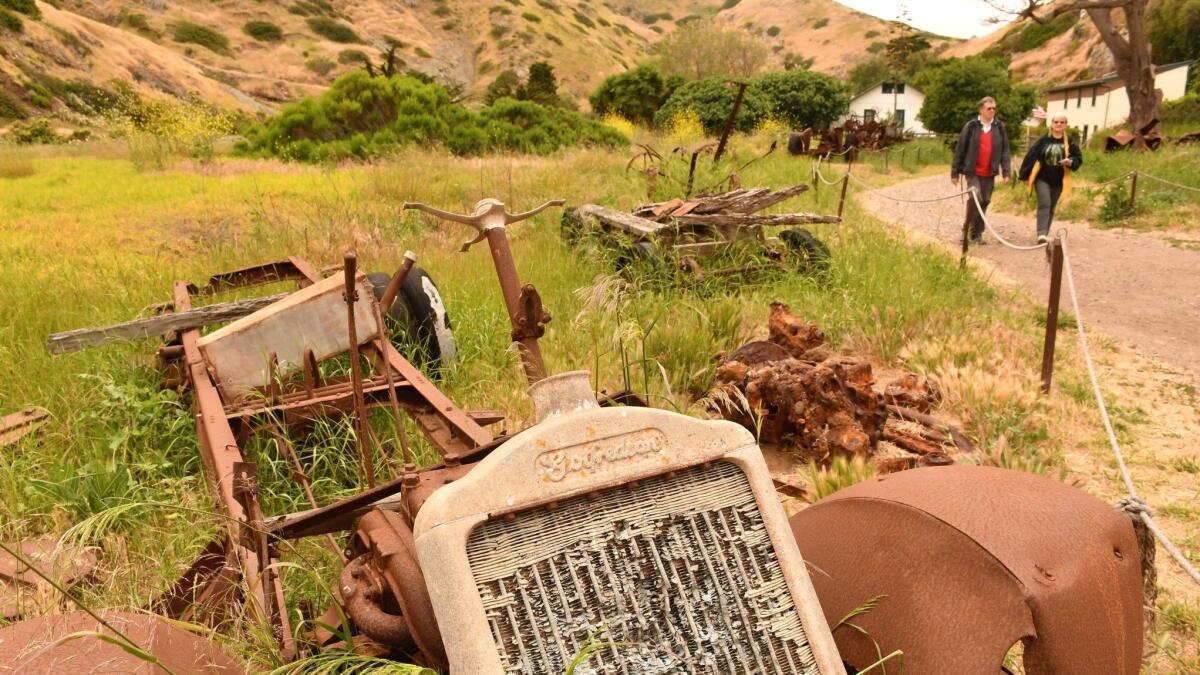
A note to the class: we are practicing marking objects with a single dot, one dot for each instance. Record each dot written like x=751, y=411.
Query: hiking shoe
x=978, y=241
x=1041, y=238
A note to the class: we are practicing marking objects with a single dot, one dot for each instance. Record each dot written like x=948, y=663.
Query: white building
x=886, y=100
x=1093, y=105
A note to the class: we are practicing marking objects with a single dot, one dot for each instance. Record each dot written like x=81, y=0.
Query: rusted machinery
x=641, y=539
x=677, y=235
x=846, y=140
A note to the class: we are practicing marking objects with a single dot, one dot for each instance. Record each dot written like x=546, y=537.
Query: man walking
x=980, y=155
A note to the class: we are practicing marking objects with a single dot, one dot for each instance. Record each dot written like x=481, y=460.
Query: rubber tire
x=418, y=320
x=637, y=254
x=812, y=253
x=571, y=226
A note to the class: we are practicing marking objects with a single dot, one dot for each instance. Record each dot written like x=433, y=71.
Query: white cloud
x=957, y=18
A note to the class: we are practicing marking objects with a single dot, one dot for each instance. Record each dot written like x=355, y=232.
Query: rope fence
x=1132, y=504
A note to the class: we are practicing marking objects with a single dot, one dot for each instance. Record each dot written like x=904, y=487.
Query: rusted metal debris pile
x=1149, y=136
x=848, y=139
x=797, y=393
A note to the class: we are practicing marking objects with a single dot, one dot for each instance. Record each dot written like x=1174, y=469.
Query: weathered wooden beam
x=754, y=203
x=620, y=220
x=748, y=220
x=84, y=338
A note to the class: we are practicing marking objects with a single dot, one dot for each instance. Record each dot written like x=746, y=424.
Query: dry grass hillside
x=206, y=47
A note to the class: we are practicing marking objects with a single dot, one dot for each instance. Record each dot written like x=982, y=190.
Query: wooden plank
x=311, y=318
x=15, y=426
x=622, y=221
x=749, y=220
x=761, y=201
x=84, y=338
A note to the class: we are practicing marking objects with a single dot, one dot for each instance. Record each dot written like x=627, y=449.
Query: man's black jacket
x=966, y=151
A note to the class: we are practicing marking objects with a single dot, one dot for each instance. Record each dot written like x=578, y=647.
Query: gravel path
x=1132, y=286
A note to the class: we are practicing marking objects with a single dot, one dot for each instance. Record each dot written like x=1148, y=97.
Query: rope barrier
x=1118, y=179
x=1167, y=182
x=1133, y=504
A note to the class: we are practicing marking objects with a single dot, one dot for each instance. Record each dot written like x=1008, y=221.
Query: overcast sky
x=957, y=18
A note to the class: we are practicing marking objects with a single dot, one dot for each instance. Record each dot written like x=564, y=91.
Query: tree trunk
x=1131, y=54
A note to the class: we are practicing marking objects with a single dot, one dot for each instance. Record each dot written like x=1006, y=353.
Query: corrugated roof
x=1113, y=76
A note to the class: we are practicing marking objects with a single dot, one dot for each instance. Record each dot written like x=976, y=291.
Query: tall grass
x=122, y=237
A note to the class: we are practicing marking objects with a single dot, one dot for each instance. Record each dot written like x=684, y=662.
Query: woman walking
x=1047, y=167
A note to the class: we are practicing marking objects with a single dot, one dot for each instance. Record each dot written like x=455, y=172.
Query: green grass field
x=88, y=240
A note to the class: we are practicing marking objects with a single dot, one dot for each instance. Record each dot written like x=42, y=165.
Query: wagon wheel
x=638, y=255
x=418, y=321
x=811, y=253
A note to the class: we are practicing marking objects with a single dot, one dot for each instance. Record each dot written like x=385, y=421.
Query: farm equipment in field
x=678, y=234
x=634, y=539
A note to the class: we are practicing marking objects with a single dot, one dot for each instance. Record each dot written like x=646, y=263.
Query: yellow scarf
x=1037, y=166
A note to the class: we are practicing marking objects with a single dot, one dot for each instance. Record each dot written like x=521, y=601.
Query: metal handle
x=488, y=214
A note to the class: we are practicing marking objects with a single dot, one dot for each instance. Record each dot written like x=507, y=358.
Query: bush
x=705, y=48
x=82, y=97
x=711, y=100
x=320, y=65
x=35, y=132
x=347, y=56
x=194, y=33
x=27, y=7
x=362, y=116
x=11, y=22
x=635, y=95
x=1185, y=110
x=263, y=31
x=820, y=23
x=139, y=22
x=802, y=98
x=10, y=108
x=332, y=29
x=1116, y=205
x=773, y=31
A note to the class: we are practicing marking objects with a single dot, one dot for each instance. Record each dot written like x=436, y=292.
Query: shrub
x=711, y=100
x=583, y=20
x=531, y=17
x=82, y=97
x=320, y=65
x=35, y=132
x=139, y=22
x=821, y=23
x=363, y=116
x=1116, y=205
x=10, y=108
x=420, y=51
x=347, y=56
x=705, y=48
x=773, y=31
x=194, y=33
x=332, y=29
x=11, y=22
x=263, y=31
x=506, y=85
x=27, y=7
x=802, y=98
x=157, y=130
x=729, y=4
x=635, y=95
x=1185, y=110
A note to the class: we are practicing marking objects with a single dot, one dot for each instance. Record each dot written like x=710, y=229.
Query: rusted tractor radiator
x=646, y=541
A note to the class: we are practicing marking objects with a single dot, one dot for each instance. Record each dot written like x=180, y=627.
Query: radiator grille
x=673, y=575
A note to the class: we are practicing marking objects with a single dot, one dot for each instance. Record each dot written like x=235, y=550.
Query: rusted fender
x=971, y=560
x=37, y=646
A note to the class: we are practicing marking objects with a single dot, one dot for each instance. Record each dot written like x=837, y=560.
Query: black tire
x=640, y=254
x=796, y=144
x=812, y=254
x=418, y=321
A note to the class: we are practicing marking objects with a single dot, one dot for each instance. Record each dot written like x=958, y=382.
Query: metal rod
x=393, y=400
x=1056, y=270
x=842, y=199
x=966, y=236
x=737, y=104
x=510, y=285
x=397, y=280
x=360, y=410
x=1133, y=192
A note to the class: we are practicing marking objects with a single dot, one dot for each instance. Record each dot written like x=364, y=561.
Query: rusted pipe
x=397, y=280
x=360, y=409
x=362, y=592
x=510, y=286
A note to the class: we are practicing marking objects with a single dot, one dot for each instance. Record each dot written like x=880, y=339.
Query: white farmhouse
x=887, y=100
x=1092, y=105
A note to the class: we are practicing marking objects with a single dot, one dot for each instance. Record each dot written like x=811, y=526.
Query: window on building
x=891, y=88
x=1095, y=90
x=1079, y=98
x=868, y=115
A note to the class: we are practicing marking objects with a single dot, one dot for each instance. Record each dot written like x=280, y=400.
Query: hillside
x=302, y=45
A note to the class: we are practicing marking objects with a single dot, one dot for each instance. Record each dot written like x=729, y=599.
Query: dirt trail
x=1133, y=287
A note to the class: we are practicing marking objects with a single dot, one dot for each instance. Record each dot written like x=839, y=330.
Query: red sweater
x=983, y=164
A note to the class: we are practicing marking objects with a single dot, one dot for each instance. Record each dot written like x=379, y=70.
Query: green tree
x=704, y=48
x=506, y=85
x=712, y=99
x=867, y=73
x=541, y=86
x=802, y=98
x=1173, y=27
x=953, y=89
x=634, y=94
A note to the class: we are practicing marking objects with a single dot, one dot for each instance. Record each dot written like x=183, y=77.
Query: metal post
x=1056, y=269
x=737, y=104
x=361, y=422
x=397, y=280
x=842, y=199
x=966, y=236
x=1133, y=192
x=510, y=286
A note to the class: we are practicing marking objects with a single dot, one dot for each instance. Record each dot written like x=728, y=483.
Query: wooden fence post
x=1056, y=269
x=1133, y=192
x=842, y=199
